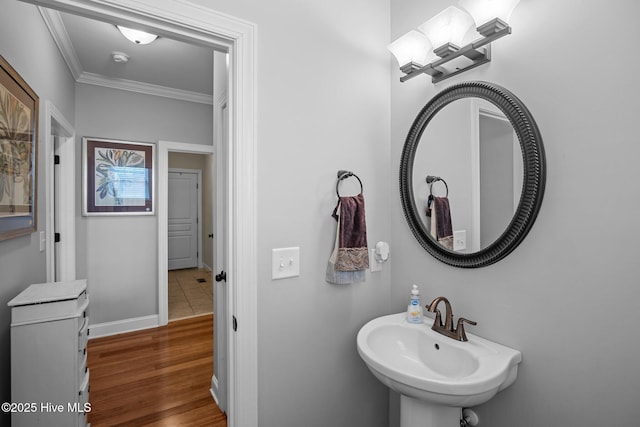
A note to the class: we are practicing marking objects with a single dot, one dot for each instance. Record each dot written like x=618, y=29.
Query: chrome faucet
x=447, y=329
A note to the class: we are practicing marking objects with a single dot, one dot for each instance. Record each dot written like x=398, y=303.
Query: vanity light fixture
x=137, y=36
x=413, y=51
x=447, y=31
x=489, y=15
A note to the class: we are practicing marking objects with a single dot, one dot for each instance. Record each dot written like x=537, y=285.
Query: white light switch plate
x=285, y=262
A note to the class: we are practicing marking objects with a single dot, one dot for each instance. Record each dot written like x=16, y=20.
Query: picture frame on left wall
x=117, y=177
x=19, y=110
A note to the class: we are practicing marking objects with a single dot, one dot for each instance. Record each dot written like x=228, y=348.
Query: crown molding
x=53, y=21
x=144, y=88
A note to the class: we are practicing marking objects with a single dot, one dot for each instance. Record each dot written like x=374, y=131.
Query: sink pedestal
x=418, y=413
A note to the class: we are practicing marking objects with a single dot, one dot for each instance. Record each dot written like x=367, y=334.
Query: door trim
x=164, y=147
x=198, y=174
x=56, y=124
x=190, y=22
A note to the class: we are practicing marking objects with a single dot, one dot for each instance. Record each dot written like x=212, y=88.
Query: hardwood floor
x=155, y=377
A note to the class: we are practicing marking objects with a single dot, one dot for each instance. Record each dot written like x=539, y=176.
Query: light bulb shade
x=449, y=26
x=137, y=36
x=484, y=11
x=413, y=47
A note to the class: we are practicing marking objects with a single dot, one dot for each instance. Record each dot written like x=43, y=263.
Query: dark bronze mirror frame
x=533, y=181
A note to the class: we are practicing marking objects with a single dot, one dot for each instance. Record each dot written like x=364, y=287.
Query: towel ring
x=433, y=179
x=344, y=175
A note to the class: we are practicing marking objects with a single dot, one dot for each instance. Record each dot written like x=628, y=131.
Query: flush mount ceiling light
x=137, y=36
x=447, y=31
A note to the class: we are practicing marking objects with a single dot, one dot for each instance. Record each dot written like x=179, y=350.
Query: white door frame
x=477, y=110
x=181, y=19
x=198, y=174
x=162, y=207
x=57, y=125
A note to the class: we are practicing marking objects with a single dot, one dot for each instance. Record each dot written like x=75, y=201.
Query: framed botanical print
x=117, y=177
x=19, y=107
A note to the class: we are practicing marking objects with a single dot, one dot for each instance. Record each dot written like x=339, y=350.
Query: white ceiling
x=165, y=67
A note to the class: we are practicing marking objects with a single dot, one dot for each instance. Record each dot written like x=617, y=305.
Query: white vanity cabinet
x=49, y=374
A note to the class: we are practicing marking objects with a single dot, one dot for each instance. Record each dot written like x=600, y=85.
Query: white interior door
x=183, y=220
x=220, y=341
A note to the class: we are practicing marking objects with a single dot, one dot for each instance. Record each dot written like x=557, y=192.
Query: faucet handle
x=438, y=319
x=460, y=334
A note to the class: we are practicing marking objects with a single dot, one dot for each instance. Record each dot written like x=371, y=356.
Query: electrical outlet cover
x=459, y=240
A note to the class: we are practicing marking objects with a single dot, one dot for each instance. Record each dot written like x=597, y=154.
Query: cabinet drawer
x=83, y=335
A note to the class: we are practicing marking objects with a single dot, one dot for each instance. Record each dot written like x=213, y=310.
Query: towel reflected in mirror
x=440, y=212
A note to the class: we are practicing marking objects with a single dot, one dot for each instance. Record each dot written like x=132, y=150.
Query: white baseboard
x=215, y=393
x=204, y=265
x=215, y=398
x=123, y=326
x=214, y=389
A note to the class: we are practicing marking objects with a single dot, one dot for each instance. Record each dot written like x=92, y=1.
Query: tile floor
x=188, y=294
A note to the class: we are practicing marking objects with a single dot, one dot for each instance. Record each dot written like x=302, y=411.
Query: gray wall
x=26, y=44
x=118, y=255
x=567, y=297
x=323, y=105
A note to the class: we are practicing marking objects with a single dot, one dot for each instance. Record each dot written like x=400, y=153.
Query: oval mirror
x=472, y=174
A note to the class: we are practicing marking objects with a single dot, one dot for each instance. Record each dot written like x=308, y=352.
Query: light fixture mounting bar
x=473, y=51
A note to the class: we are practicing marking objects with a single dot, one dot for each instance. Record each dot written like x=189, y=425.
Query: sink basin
x=428, y=367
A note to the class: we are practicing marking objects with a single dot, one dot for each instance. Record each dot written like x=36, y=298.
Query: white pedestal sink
x=435, y=375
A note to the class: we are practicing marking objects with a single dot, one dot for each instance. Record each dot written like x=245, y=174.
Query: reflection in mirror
x=485, y=148
x=471, y=145
x=499, y=175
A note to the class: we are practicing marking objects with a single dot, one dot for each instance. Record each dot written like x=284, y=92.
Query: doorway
x=195, y=23
x=498, y=145
x=60, y=202
x=191, y=183
x=496, y=172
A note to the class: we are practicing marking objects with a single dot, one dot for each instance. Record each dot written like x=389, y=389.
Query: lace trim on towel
x=352, y=259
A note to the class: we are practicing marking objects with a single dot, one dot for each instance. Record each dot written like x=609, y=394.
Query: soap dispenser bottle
x=414, y=310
